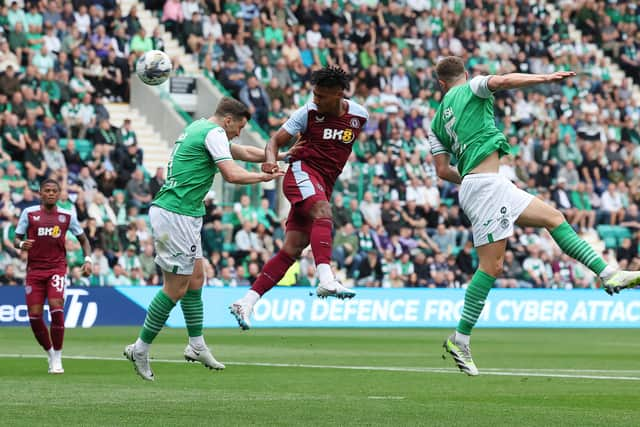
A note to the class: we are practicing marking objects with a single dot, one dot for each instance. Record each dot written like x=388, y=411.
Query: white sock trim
x=607, y=272
x=141, y=346
x=251, y=297
x=325, y=274
x=197, y=342
x=462, y=338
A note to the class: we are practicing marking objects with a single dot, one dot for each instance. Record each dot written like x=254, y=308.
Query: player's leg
x=295, y=240
x=35, y=295
x=491, y=258
x=193, y=311
x=175, y=254
x=55, y=296
x=492, y=204
x=321, y=245
x=539, y=214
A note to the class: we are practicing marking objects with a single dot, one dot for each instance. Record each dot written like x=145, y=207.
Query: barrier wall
x=298, y=307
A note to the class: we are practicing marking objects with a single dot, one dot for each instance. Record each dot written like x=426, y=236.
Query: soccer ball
x=153, y=67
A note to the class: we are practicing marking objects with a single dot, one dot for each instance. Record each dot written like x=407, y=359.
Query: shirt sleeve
x=436, y=146
x=479, y=86
x=297, y=123
x=217, y=145
x=23, y=223
x=74, y=225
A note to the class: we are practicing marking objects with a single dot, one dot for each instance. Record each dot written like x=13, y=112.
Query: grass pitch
x=342, y=377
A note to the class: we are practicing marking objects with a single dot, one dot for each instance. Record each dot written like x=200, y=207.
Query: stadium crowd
x=575, y=145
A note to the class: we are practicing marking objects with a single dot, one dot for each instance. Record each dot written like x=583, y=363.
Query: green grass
x=107, y=392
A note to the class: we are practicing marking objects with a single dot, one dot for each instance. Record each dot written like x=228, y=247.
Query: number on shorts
x=57, y=281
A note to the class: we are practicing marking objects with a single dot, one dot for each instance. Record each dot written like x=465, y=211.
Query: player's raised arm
x=519, y=80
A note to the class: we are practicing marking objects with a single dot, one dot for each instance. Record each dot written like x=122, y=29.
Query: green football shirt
x=192, y=166
x=464, y=125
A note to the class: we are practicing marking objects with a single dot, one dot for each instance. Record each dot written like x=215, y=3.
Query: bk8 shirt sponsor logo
x=54, y=231
x=343, y=135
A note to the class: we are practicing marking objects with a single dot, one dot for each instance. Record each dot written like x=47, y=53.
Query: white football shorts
x=176, y=239
x=493, y=204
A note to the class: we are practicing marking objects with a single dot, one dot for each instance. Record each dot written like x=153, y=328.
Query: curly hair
x=331, y=77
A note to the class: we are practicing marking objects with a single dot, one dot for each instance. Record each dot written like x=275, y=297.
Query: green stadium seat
x=20, y=167
x=229, y=247
x=448, y=202
x=84, y=148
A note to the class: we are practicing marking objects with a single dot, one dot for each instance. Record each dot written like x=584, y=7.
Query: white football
x=153, y=67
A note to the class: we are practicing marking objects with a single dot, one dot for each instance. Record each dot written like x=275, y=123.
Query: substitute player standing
x=327, y=126
x=464, y=125
x=201, y=151
x=45, y=227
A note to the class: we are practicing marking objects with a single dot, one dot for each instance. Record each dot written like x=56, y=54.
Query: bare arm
x=233, y=173
x=248, y=153
x=445, y=170
x=281, y=138
x=519, y=80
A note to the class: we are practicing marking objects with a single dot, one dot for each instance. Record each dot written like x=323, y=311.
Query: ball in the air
x=153, y=67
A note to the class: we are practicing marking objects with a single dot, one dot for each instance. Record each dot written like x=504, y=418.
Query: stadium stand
x=575, y=145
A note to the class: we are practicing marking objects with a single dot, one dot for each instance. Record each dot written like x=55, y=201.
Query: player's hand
x=268, y=167
x=27, y=244
x=86, y=269
x=270, y=176
x=560, y=75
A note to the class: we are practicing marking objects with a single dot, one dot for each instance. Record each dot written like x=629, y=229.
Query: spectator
x=138, y=191
x=254, y=95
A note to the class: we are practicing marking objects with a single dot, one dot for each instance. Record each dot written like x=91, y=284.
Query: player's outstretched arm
x=233, y=173
x=280, y=139
x=445, y=170
x=519, y=80
x=248, y=153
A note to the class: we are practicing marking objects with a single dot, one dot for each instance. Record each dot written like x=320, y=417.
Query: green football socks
x=157, y=314
x=474, y=298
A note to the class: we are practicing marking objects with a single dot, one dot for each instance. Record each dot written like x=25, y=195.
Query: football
x=153, y=67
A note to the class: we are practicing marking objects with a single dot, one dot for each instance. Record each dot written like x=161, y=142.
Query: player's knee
x=56, y=304
x=35, y=310
x=554, y=219
x=197, y=279
x=494, y=267
x=294, y=251
x=321, y=210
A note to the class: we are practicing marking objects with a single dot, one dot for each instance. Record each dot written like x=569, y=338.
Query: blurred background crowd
x=575, y=145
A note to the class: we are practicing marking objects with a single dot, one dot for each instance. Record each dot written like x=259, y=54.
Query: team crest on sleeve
x=62, y=218
x=355, y=123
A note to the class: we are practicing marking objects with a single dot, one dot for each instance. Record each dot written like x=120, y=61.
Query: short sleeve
x=74, y=225
x=297, y=123
x=436, y=146
x=480, y=86
x=217, y=145
x=23, y=223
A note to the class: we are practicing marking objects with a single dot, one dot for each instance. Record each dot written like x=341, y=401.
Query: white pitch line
x=544, y=373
